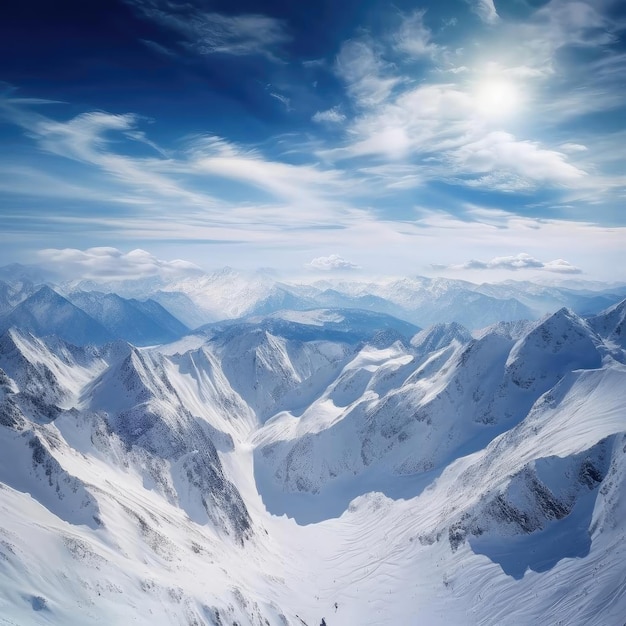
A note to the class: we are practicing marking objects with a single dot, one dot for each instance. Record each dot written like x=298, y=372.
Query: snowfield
x=312, y=463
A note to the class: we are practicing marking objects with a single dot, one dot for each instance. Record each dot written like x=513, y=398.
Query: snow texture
x=311, y=463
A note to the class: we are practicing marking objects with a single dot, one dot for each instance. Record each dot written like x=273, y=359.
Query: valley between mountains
x=311, y=456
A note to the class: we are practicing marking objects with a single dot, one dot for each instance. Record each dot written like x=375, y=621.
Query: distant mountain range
x=232, y=294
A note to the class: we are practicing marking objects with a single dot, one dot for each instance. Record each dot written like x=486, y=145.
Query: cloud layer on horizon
x=521, y=261
x=113, y=264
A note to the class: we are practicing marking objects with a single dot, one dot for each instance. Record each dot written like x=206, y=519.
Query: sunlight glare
x=497, y=99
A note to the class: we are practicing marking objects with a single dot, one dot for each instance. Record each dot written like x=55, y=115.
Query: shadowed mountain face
x=46, y=312
x=140, y=323
x=293, y=458
x=88, y=317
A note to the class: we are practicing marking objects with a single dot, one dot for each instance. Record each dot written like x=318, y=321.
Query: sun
x=497, y=99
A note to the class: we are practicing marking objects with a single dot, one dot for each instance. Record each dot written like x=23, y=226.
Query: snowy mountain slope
x=45, y=312
x=140, y=323
x=174, y=449
x=475, y=563
x=611, y=325
x=11, y=294
x=204, y=389
x=472, y=393
x=282, y=361
x=531, y=478
x=226, y=293
x=429, y=477
x=270, y=372
x=24, y=272
x=48, y=372
x=139, y=288
x=348, y=325
x=182, y=308
x=28, y=464
x=229, y=293
x=439, y=336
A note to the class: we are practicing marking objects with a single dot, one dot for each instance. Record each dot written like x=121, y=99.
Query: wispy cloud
x=304, y=184
x=367, y=76
x=500, y=152
x=208, y=32
x=332, y=116
x=404, y=124
x=485, y=9
x=468, y=130
x=440, y=124
x=286, y=102
x=87, y=139
x=299, y=196
x=158, y=48
x=413, y=38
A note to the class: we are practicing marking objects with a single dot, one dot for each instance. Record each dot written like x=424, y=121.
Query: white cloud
x=561, y=266
x=485, y=9
x=112, y=264
x=413, y=38
x=501, y=152
x=85, y=138
x=89, y=138
x=422, y=119
x=439, y=122
x=409, y=130
x=211, y=33
x=441, y=126
x=332, y=116
x=573, y=147
x=305, y=184
x=368, y=78
x=284, y=99
x=520, y=261
x=314, y=63
x=333, y=262
x=560, y=24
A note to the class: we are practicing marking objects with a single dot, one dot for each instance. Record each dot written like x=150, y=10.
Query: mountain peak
x=439, y=336
x=45, y=293
x=46, y=312
x=611, y=324
x=559, y=343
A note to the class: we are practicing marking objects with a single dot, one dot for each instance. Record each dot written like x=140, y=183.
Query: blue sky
x=480, y=139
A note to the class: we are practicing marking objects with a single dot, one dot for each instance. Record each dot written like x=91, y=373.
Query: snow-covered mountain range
x=202, y=298
x=307, y=462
